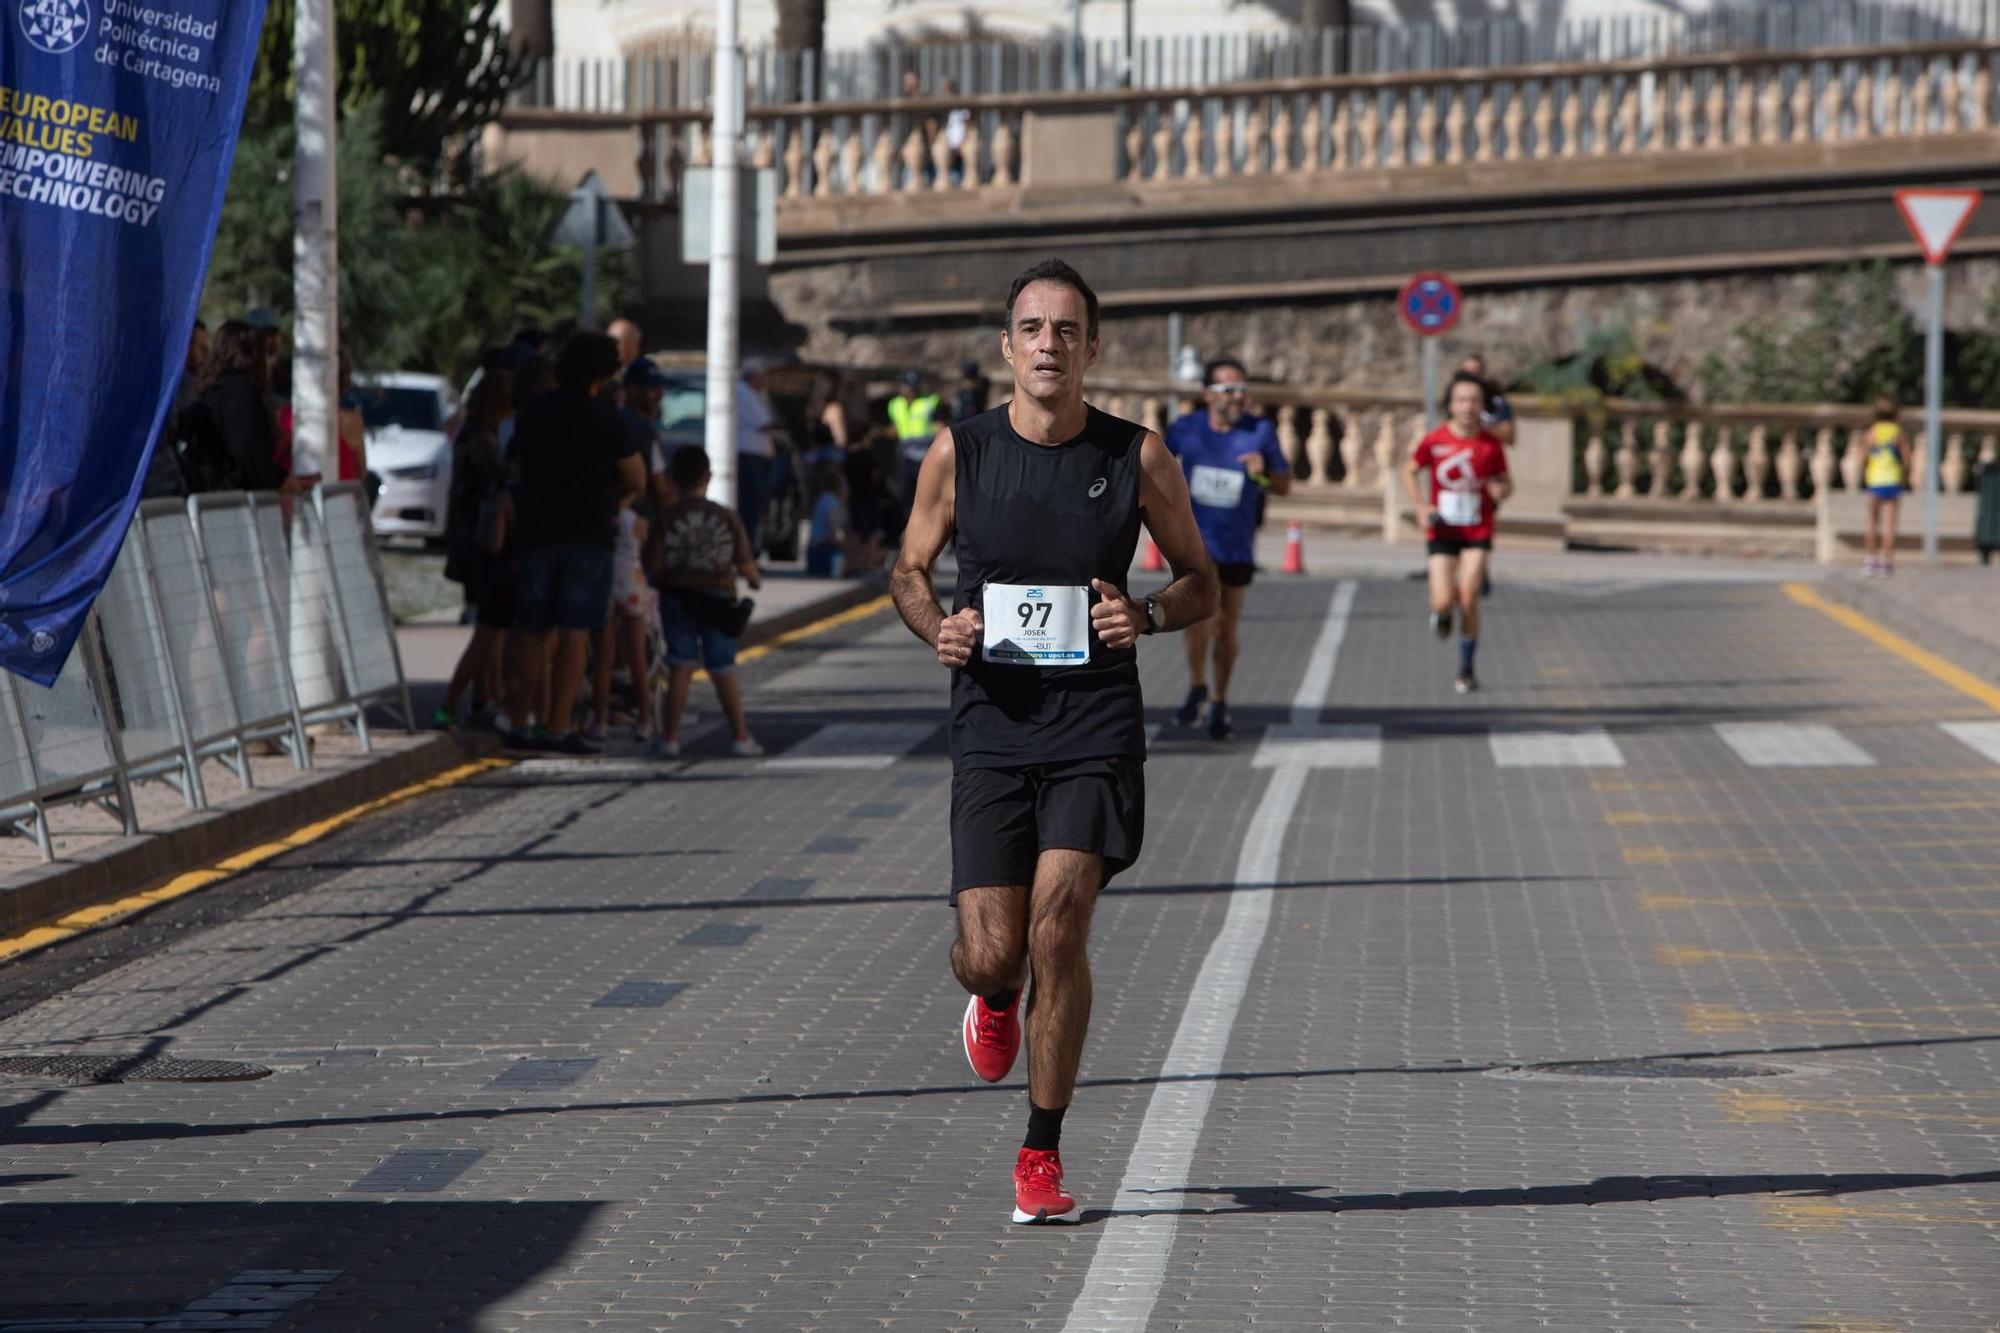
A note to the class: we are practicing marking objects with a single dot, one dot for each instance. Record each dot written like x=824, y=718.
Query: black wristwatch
x=1156, y=620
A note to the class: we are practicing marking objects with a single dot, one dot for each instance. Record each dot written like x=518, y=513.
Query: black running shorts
x=1450, y=543
x=1002, y=819
x=1232, y=574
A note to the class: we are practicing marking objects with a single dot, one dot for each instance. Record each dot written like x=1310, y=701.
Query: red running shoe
x=992, y=1038
x=1038, y=1191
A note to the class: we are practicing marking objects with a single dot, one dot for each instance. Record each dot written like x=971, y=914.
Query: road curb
x=1879, y=603
x=132, y=865
x=856, y=594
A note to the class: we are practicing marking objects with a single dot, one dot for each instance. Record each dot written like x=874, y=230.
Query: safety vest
x=914, y=418
x=1885, y=460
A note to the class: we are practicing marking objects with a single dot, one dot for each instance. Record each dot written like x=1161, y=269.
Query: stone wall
x=1358, y=342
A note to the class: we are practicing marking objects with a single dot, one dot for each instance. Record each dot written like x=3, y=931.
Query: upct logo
x=55, y=26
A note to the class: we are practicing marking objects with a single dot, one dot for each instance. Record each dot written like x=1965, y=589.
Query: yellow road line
x=103, y=914
x=1949, y=672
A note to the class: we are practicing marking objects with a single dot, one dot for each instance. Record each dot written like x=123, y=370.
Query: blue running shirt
x=1225, y=499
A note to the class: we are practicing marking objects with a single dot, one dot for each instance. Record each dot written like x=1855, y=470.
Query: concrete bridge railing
x=1779, y=478
x=1658, y=109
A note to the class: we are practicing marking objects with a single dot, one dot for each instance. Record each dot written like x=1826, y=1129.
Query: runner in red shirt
x=1469, y=478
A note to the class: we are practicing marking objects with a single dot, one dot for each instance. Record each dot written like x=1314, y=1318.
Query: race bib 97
x=1041, y=625
x=1216, y=487
x=1461, y=509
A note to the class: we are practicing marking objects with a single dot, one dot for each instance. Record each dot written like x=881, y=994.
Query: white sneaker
x=747, y=748
x=662, y=748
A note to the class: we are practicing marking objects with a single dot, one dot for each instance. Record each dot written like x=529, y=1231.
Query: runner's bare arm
x=931, y=522
x=1411, y=471
x=1163, y=505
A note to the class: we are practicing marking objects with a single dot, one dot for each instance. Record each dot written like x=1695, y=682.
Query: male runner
x=1469, y=478
x=1229, y=458
x=1045, y=495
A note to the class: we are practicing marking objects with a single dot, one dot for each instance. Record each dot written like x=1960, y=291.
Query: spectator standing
x=628, y=338
x=234, y=437
x=1498, y=414
x=632, y=605
x=165, y=475
x=968, y=400
x=957, y=127
x=756, y=453
x=701, y=552
x=830, y=530
x=577, y=467
x=645, y=388
x=1885, y=475
x=484, y=509
x=913, y=415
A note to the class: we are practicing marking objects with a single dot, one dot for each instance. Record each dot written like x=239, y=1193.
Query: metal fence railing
x=675, y=71
x=221, y=626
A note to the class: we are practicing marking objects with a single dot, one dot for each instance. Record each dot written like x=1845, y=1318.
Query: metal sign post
x=1935, y=218
x=591, y=220
x=1430, y=304
x=719, y=434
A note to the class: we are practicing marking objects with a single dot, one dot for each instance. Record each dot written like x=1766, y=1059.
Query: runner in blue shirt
x=1228, y=457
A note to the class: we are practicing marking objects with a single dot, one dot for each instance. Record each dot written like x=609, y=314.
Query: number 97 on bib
x=1037, y=625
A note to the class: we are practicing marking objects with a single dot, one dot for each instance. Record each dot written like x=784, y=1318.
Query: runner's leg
x=1224, y=633
x=1064, y=895
x=1444, y=584
x=1195, y=639
x=990, y=955
x=1471, y=575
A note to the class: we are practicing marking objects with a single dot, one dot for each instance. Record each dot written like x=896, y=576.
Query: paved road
x=601, y=1046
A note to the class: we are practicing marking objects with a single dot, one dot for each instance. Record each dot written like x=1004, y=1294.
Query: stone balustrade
x=1652, y=109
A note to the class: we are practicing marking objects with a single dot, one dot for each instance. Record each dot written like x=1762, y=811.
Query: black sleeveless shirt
x=1059, y=514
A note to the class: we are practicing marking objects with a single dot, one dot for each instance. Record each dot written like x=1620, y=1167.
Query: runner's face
x=1467, y=402
x=1049, y=344
x=1225, y=395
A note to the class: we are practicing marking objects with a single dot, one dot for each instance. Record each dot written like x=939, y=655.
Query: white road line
x=853, y=745
x=1981, y=736
x=1792, y=745
x=1589, y=747
x=1130, y=1264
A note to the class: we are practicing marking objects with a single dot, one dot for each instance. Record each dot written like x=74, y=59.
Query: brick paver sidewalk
x=597, y=1045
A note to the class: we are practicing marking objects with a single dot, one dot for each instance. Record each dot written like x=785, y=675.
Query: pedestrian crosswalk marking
x=1981, y=736
x=1792, y=745
x=854, y=745
x=1591, y=747
x=1315, y=745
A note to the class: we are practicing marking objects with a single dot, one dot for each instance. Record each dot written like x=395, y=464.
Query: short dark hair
x=689, y=466
x=1464, y=377
x=1223, y=363
x=1054, y=270
x=585, y=359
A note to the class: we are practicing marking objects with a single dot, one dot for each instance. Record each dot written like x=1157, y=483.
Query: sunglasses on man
x=1233, y=390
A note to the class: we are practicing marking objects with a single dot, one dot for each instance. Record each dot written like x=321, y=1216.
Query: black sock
x=1001, y=999
x=1044, y=1128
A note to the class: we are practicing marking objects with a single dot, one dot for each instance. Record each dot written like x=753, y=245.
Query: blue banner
x=118, y=121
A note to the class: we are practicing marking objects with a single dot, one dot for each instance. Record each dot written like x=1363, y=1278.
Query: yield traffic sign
x=1936, y=217
x=1430, y=303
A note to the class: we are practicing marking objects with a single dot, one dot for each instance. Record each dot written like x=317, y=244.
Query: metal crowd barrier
x=222, y=626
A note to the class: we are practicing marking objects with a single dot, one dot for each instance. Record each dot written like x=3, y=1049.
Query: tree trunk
x=802, y=27
x=531, y=27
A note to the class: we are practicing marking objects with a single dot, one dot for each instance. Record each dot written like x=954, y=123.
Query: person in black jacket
x=165, y=476
x=232, y=441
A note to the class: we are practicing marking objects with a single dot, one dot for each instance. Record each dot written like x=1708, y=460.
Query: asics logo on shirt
x=1097, y=487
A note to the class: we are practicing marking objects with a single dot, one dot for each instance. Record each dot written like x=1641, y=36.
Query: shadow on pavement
x=1605, y=1189
x=375, y=1264
x=16, y=1131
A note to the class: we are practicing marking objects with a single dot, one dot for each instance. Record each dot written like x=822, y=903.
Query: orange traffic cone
x=1295, y=550
x=1152, y=563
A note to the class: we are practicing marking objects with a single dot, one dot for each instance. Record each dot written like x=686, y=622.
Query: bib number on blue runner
x=1216, y=487
x=1037, y=624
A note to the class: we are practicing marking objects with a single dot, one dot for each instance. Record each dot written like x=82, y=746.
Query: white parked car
x=405, y=412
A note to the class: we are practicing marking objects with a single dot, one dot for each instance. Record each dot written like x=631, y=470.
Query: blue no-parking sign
x=1430, y=303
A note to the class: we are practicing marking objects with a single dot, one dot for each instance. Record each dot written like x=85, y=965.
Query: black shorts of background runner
x=1231, y=574
x=1002, y=819
x=1445, y=543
